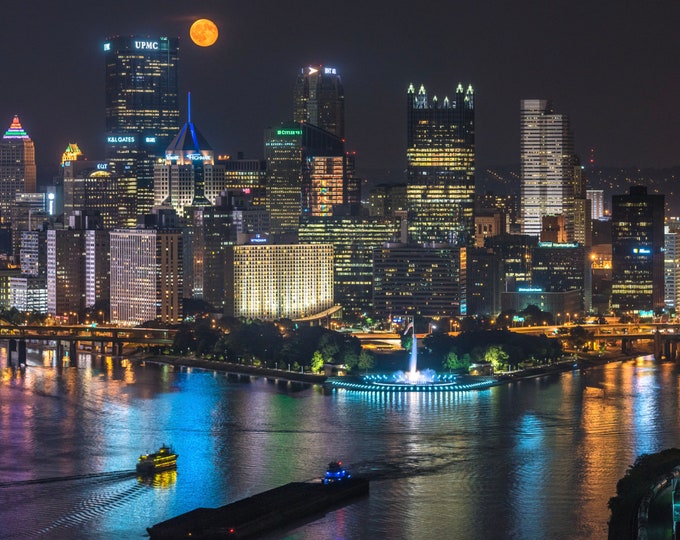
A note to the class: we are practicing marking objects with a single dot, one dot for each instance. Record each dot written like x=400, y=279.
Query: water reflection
x=540, y=456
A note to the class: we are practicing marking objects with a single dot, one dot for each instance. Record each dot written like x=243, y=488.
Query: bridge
x=665, y=336
x=98, y=337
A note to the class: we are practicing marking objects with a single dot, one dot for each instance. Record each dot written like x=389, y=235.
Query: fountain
x=411, y=381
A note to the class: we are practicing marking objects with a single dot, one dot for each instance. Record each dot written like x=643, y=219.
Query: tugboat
x=163, y=460
x=335, y=473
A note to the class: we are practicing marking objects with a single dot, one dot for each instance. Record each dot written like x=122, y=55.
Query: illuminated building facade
x=146, y=275
x=488, y=223
x=28, y=293
x=514, y=252
x=234, y=216
x=637, y=251
x=28, y=213
x=601, y=272
x=279, y=281
x=305, y=174
x=415, y=280
x=17, y=168
x=283, y=154
x=247, y=175
x=671, y=269
x=97, y=267
x=559, y=267
x=353, y=240
x=386, y=199
x=583, y=228
x=33, y=252
x=547, y=166
x=189, y=162
x=441, y=166
x=66, y=273
x=90, y=187
x=142, y=112
x=320, y=99
x=596, y=197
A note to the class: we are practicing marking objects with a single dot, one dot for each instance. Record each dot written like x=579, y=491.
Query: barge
x=278, y=507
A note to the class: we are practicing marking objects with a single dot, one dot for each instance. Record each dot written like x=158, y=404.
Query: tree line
x=503, y=349
x=280, y=344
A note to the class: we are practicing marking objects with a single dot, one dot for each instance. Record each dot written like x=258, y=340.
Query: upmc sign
x=147, y=45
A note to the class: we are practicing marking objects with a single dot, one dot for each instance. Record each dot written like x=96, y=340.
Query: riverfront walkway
x=229, y=367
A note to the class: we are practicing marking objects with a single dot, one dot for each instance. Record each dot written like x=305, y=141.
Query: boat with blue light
x=335, y=473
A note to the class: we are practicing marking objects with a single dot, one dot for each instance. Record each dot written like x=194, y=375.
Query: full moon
x=203, y=32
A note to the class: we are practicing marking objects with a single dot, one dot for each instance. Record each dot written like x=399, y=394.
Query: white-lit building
x=146, y=276
x=28, y=293
x=597, y=203
x=547, y=166
x=279, y=281
x=671, y=269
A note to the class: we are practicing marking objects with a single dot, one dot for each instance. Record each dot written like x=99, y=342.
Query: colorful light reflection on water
x=541, y=457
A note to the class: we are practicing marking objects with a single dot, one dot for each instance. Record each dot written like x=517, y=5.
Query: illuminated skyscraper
x=304, y=174
x=320, y=99
x=441, y=166
x=17, y=167
x=353, y=240
x=637, y=251
x=189, y=163
x=147, y=272
x=547, y=163
x=142, y=113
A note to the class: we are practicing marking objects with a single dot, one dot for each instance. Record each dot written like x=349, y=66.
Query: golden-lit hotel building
x=270, y=281
x=441, y=167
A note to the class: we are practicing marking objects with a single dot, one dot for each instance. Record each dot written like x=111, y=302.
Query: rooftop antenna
x=189, y=107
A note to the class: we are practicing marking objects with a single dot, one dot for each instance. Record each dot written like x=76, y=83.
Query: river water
x=531, y=460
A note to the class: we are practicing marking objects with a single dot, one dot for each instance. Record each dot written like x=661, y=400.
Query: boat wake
x=113, y=475
x=92, y=507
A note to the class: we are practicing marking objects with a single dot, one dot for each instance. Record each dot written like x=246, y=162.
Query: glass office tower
x=142, y=113
x=441, y=166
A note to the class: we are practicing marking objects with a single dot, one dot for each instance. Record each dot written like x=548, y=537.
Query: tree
x=366, y=360
x=455, y=361
x=497, y=356
x=317, y=362
x=579, y=336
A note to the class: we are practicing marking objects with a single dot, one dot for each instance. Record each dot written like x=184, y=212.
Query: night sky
x=613, y=66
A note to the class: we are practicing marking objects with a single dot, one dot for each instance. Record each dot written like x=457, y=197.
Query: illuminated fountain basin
x=410, y=381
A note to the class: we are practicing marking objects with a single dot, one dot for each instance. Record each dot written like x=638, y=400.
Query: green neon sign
x=289, y=132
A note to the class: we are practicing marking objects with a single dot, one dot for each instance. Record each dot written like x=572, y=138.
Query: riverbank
x=229, y=367
x=583, y=361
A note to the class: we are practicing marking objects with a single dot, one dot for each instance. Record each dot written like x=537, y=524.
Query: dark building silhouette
x=637, y=251
x=320, y=99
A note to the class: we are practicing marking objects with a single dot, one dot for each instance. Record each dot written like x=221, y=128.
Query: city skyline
x=245, y=82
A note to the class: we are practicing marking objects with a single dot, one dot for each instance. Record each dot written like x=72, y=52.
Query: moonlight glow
x=203, y=32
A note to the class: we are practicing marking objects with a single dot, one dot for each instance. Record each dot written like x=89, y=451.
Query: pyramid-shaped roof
x=15, y=130
x=189, y=139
